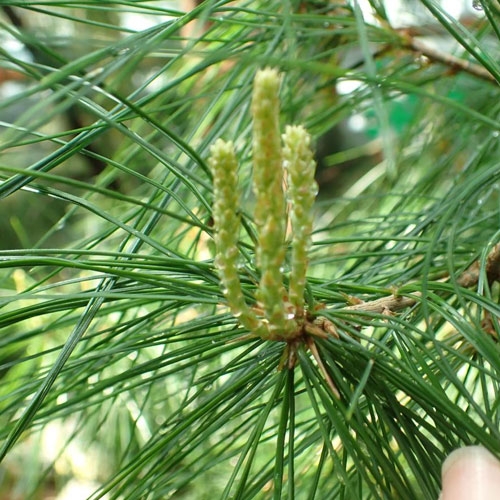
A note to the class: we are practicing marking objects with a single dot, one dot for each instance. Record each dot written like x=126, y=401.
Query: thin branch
x=393, y=303
x=470, y=277
x=455, y=63
x=321, y=366
x=467, y=279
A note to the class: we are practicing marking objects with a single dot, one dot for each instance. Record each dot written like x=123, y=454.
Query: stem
x=467, y=279
x=449, y=60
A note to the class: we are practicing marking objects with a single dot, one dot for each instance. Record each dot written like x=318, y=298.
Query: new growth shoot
x=280, y=313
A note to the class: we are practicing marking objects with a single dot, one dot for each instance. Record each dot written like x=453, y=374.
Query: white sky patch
x=12, y=45
x=357, y=123
x=367, y=11
x=78, y=490
x=140, y=22
x=10, y=89
x=345, y=87
x=399, y=15
x=453, y=7
x=15, y=48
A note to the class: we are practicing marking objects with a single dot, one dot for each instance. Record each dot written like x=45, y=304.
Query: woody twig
x=453, y=62
x=467, y=279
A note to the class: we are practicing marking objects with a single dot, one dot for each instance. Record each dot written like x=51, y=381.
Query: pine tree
x=181, y=313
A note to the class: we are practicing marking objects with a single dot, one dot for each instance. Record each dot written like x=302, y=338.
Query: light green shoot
x=224, y=168
x=302, y=191
x=282, y=315
x=270, y=211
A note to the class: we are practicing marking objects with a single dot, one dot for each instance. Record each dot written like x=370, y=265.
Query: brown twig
x=321, y=366
x=449, y=60
x=470, y=277
x=467, y=279
x=392, y=303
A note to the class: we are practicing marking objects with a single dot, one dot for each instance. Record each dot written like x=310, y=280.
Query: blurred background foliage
x=116, y=377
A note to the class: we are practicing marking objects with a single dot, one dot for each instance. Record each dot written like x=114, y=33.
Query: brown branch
x=314, y=350
x=449, y=60
x=467, y=279
x=470, y=277
x=393, y=303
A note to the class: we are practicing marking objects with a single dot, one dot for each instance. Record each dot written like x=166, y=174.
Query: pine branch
x=467, y=279
x=453, y=62
x=470, y=277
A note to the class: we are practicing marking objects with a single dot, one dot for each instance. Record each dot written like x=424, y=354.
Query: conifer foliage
x=182, y=313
